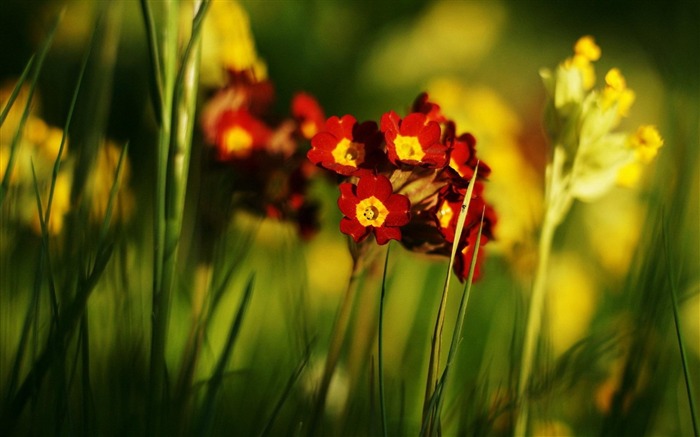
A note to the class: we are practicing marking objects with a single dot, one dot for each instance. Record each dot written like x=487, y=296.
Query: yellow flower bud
x=646, y=143
x=587, y=48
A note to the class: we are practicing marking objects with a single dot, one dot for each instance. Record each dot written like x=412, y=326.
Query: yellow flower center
x=371, y=212
x=445, y=214
x=349, y=153
x=408, y=148
x=237, y=141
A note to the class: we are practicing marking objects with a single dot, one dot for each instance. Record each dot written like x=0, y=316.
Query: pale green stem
x=557, y=202
x=167, y=44
x=179, y=101
x=339, y=334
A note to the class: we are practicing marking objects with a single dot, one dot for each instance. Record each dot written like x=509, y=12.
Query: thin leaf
x=16, y=90
x=285, y=393
x=27, y=108
x=459, y=324
x=434, y=363
x=155, y=77
x=207, y=409
x=679, y=333
x=380, y=346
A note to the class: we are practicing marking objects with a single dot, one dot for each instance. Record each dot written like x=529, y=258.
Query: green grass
x=165, y=324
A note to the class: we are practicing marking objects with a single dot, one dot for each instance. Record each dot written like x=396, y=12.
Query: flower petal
x=378, y=186
x=414, y=123
x=347, y=202
x=390, y=122
x=354, y=229
x=399, y=207
x=385, y=234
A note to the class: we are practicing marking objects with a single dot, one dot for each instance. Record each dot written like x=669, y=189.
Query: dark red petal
x=354, y=229
x=385, y=234
x=347, y=202
x=318, y=156
x=429, y=135
x=347, y=123
x=413, y=124
x=390, y=122
x=324, y=141
x=378, y=186
x=334, y=127
x=399, y=207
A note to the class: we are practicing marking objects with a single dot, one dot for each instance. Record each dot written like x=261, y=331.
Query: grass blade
x=679, y=334
x=20, y=128
x=380, y=346
x=207, y=410
x=459, y=324
x=434, y=363
x=16, y=90
x=156, y=76
x=285, y=393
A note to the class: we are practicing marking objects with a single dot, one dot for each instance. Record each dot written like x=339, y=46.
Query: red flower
x=345, y=146
x=238, y=133
x=308, y=113
x=446, y=216
x=415, y=140
x=463, y=157
x=370, y=206
x=432, y=111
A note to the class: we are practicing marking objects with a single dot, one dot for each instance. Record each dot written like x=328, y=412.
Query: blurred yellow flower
x=587, y=48
x=101, y=181
x=60, y=205
x=646, y=142
x=228, y=45
x=572, y=296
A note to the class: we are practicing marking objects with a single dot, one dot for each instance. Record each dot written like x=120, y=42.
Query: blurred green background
x=365, y=58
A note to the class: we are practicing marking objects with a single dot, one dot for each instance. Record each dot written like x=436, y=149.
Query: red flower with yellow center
x=309, y=114
x=415, y=140
x=238, y=133
x=371, y=206
x=463, y=157
x=346, y=146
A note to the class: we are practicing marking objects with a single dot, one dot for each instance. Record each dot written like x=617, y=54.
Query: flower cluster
x=36, y=151
x=406, y=179
x=253, y=157
x=581, y=120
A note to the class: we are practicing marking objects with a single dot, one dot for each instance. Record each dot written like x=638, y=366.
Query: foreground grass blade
x=173, y=157
x=459, y=324
x=286, y=392
x=380, y=346
x=16, y=90
x=27, y=108
x=434, y=363
x=207, y=410
x=679, y=334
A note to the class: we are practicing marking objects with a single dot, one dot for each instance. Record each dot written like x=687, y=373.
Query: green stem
x=338, y=336
x=557, y=201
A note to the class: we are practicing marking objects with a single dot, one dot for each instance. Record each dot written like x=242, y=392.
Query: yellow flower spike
x=615, y=80
x=646, y=142
x=629, y=175
x=616, y=92
x=587, y=48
